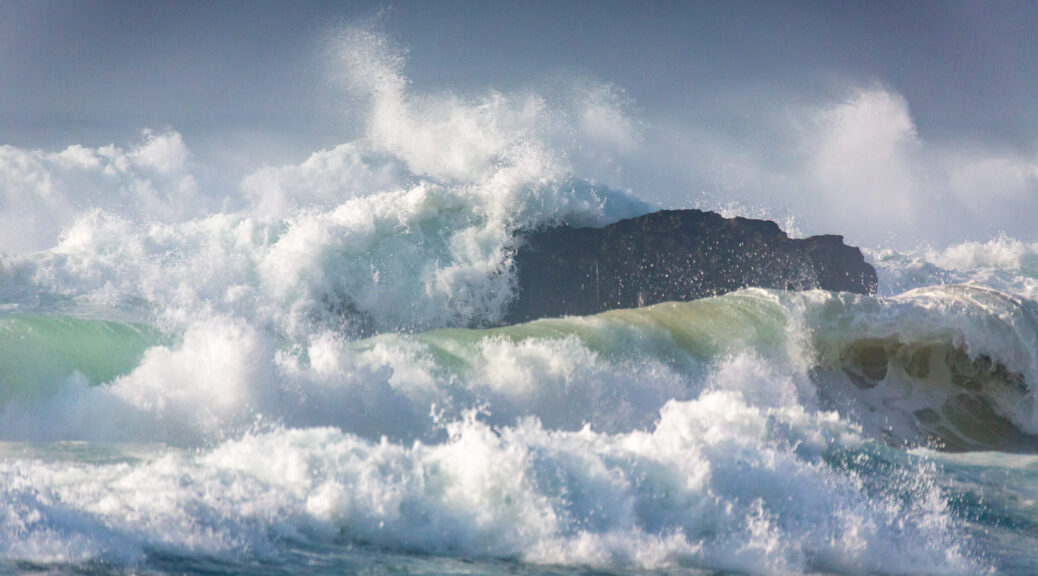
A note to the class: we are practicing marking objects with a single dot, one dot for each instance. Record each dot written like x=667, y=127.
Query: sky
x=893, y=123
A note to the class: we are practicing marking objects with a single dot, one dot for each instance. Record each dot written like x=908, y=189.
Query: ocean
x=306, y=374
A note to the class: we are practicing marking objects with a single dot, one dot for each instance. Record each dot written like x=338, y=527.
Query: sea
x=307, y=374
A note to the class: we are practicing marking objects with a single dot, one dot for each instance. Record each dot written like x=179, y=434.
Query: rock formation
x=673, y=255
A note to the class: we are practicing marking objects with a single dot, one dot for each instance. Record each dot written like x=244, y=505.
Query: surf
x=298, y=371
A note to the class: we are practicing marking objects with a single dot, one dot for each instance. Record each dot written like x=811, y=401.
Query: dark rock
x=673, y=255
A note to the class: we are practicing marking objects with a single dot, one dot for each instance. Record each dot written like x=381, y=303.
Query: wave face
x=293, y=376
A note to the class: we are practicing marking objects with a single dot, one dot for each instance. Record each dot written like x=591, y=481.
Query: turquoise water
x=758, y=432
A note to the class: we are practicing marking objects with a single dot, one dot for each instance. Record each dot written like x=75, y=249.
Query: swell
x=725, y=434
x=39, y=352
x=951, y=367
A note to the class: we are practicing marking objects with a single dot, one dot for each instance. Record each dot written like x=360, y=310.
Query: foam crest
x=42, y=192
x=444, y=136
x=307, y=354
x=957, y=362
x=323, y=180
x=718, y=483
x=410, y=227
x=1001, y=253
x=422, y=257
x=1002, y=263
x=534, y=136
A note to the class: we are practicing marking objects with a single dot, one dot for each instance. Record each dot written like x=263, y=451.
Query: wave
x=1002, y=263
x=191, y=376
x=718, y=482
x=682, y=434
x=409, y=227
x=952, y=365
x=42, y=350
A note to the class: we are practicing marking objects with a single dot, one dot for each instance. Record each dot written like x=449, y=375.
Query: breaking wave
x=301, y=368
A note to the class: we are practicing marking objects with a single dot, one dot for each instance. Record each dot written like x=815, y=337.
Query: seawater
x=300, y=375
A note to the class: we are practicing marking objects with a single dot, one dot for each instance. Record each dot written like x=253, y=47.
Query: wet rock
x=674, y=255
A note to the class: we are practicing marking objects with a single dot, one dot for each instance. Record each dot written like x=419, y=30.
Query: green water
x=39, y=352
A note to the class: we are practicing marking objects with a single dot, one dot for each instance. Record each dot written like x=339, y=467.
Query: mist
x=897, y=127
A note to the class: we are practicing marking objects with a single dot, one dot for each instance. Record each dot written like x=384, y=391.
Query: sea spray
x=720, y=481
x=292, y=375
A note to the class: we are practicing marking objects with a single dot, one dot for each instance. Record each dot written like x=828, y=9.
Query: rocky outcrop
x=673, y=255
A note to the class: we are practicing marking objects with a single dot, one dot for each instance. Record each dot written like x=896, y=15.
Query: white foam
x=42, y=192
x=409, y=227
x=1002, y=263
x=978, y=321
x=616, y=441
x=719, y=483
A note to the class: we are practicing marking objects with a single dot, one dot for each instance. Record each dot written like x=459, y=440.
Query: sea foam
x=300, y=361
